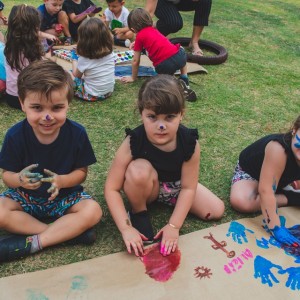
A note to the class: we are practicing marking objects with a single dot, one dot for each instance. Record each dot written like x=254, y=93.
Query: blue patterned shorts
x=168, y=192
x=42, y=207
x=80, y=92
x=239, y=174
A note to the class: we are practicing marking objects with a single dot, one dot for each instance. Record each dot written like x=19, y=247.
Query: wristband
x=173, y=226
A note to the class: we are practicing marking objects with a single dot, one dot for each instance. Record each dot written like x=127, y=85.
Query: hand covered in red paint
x=133, y=240
x=55, y=184
x=169, y=239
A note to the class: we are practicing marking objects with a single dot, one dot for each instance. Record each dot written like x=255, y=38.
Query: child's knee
x=139, y=171
x=241, y=203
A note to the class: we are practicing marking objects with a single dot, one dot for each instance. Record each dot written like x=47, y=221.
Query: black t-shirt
x=252, y=157
x=70, y=7
x=167, y=164
x=71, y=150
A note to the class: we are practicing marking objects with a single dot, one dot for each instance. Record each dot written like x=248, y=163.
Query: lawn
x=255, y=92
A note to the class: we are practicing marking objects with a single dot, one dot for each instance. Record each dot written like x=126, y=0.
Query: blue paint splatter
x=293, y=281
x=35, y=295
x=79, y=283
x=262, y=270
x=238, y=232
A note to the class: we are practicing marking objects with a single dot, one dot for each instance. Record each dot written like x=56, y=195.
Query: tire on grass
x=220, y=51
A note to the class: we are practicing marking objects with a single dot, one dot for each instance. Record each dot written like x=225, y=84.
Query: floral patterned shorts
x=168, y=192
x=239, y=174
x=80, y=92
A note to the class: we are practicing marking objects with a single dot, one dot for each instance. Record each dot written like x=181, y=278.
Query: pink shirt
x=12, y=78
x=159, y=48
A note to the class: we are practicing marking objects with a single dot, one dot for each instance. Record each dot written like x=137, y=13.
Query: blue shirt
x=47, y=20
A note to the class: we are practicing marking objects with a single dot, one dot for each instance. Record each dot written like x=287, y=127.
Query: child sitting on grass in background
x=2, y=17
x=50, y=13
x=73, y=13
x=115, y=16
x=166, y=57
x=158, y=161
x=94, y=71
x=22, y=47
x=44, y=159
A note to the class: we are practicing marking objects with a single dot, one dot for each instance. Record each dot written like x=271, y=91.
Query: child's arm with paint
x=75, y=71
x=26, y=178
x=273, y=166
x=113, y=185
x=58, y=182
x=135, y=68
x=189, y=182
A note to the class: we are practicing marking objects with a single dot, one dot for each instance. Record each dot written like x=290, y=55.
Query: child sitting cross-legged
x=45, y=159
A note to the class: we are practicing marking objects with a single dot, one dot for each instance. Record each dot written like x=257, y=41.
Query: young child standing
x=264, y=178
x=94, y=71
x=166, y=57
x=22, y=47
x=116, y=11
x=73, y=13
x=158, y=160
x=44, y=159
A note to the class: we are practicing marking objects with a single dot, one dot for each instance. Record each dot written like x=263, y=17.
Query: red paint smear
x=159, y=267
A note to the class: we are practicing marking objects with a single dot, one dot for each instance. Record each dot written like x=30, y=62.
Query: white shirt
x=122, y=18
x=99, y=74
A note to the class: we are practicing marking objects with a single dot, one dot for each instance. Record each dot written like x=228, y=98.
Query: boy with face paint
x=45, y=159
x=265, y=178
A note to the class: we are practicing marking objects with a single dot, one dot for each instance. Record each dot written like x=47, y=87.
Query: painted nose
x=162, y=127
x=48, y=117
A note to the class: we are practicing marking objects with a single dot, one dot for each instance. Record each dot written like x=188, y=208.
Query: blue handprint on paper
x=238, y=232
x=293, y=281
x=262, y=270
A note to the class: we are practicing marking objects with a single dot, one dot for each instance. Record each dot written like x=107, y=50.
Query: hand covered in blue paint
x=238, y=232
x=293, y=281
x=282, y=235
x=262, y=270
x=74, y=55
x=28, y=179
x=53, y=179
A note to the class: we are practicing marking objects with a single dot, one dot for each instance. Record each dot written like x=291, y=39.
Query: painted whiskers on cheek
x=297, y=143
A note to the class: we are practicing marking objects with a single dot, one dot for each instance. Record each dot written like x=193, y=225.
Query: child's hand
x=117, y=31
x=169, y=239
x=30, y=180
x=131, y=46
x=54, y=180
x=133, y=240
x=127, y=79
x=282, y=235
x=74, y=55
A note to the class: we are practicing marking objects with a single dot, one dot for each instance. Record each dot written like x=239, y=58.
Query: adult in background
x=170, y=20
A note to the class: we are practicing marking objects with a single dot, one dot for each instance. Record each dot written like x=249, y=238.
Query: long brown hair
x=22, y=36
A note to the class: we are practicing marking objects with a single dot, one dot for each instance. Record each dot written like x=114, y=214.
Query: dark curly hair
x=22, y=36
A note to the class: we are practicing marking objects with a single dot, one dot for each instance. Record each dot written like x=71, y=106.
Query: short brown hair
x=44, y=76
x=139, y=19
x=94, y=39
x=163, y=94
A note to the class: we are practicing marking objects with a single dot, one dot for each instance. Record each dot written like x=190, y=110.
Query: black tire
x=220, y=51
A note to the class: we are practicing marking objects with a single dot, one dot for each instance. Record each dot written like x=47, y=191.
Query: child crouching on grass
x=158, y=161
x=44, y=159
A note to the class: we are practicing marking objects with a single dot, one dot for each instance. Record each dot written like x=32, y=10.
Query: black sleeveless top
x=252, y=157
x=167, y=164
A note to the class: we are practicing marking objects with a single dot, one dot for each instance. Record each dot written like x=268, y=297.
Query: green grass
x=254, y=93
